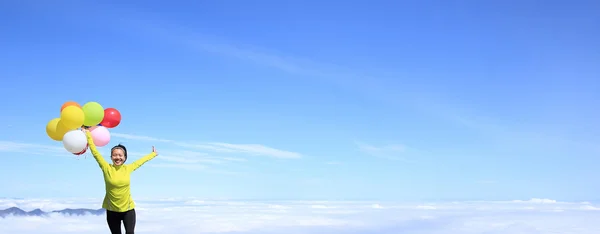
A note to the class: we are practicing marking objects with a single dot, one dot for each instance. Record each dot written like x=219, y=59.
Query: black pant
x=114, y=221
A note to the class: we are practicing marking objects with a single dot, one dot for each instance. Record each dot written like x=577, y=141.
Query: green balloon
x=94, y=113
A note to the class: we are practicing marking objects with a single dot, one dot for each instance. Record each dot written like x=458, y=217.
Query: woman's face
x=118, y=157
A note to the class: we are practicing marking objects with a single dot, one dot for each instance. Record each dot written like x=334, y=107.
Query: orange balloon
x=69, y=103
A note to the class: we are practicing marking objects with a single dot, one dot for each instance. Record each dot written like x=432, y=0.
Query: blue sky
x=413, y=100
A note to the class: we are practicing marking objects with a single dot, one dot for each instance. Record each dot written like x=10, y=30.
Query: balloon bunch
x=73, y=117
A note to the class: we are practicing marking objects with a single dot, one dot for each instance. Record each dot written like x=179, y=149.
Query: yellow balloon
x=72, y=117
x=55, y=129
x=61, y=130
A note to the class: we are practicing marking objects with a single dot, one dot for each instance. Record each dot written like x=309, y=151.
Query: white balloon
x=75, y=141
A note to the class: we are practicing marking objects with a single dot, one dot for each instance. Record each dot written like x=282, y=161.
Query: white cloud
x=37, y=149
x=387, y=148
x=219, y=147
x=212, y=153
x=258, y=150
x=390, y=152
x=179, y=165
x=486, y=182
x=345, y=217
x=186, y=156
x=192, y=161
x=137, y=137
x=188, y=160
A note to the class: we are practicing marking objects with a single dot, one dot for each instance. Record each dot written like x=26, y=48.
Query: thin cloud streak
x=28, y=148
x=253, y=149
x=194, y=167
x=389, y=152
x=192, y=161
x=197, y=157
x=179, y=166
x=138, y=137
x=188, y=160
x=258, y=149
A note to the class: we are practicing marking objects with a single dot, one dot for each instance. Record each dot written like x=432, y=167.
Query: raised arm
x=101, y=162
x=138, y=163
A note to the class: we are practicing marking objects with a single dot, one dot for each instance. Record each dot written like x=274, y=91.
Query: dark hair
x=122, y=147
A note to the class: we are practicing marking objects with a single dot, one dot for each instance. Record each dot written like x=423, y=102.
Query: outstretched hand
x=154, y=151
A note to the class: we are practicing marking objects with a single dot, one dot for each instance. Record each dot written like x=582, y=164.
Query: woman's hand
x=154, y=151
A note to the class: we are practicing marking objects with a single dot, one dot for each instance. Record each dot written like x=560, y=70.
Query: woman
x=117, y=201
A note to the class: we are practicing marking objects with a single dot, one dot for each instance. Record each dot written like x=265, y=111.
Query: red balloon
x=112, y=118
x=82, y=152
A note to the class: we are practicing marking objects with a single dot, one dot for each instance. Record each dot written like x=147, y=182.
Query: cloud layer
x=295, y=217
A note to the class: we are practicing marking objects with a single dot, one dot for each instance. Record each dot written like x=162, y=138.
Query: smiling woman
x=118, y=202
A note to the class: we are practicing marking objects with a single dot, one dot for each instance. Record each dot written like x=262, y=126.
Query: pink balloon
x=101, y=136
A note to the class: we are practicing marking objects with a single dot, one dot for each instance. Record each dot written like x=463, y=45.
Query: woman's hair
x=122, y=147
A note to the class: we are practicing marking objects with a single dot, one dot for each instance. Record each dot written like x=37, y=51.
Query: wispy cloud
x=138, y=137
x=391, y=152
x=179, y=166
x=486, y=182
x=187, y=156
x=37, y=149
x=192, y=159
x=194, y=167
x=188, y=160
x=218, y=147
x=207, y=156
x=258, y=150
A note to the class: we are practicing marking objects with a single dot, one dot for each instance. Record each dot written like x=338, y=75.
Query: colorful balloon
x=72, y=117
x=55, y=129
x=112, y=118
x=69, y=103
x=75, y=141
x=94, y=113
x=101, y=136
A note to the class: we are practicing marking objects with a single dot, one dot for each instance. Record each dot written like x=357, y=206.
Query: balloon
x=82, y=152
x=72, y=117
x=101, y=136
x=75, y=141
x=94, y=113
x=55, y=129
x=69, y=103
x=112, y=118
